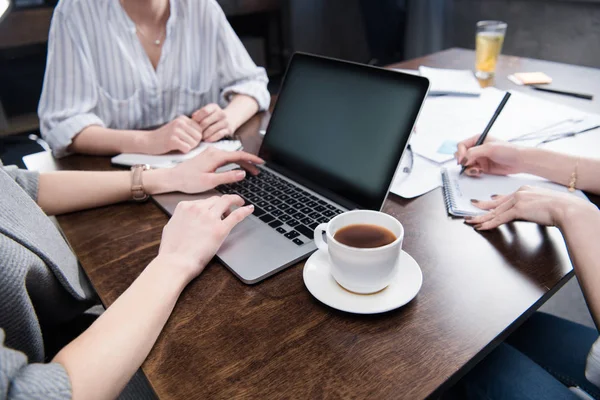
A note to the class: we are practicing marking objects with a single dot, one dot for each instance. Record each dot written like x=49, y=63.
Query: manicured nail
x=478, y=227
x=494, y=196
x=240, y=174
x=468, y=218
x=474, y=201
x=250, y=207
x=473, y=171
x=463, y=161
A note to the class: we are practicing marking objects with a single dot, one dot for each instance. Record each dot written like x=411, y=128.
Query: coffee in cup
x=364, y=247
x=364, y=236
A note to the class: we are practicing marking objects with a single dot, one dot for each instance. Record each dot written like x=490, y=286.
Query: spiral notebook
x=460, y=189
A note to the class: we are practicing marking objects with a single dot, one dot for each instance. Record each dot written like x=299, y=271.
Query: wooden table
x=274, y=340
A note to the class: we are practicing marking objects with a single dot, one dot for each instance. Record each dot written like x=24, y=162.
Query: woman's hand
x=493, y=157
x=198, y=174
x=196, y=230
x=182, y=134
x=542, y=206
x=214, y=122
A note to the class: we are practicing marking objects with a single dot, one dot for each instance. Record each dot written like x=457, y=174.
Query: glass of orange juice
x=488, y=45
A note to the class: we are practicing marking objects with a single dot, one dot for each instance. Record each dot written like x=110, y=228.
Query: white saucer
x=404, y=287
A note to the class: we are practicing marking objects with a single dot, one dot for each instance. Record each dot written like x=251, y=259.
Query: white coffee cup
x=361, y=270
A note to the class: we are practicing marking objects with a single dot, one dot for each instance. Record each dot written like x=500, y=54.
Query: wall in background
x=328, y=27
x=556, y=30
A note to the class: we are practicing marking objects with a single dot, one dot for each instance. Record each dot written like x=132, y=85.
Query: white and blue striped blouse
x=98, y=73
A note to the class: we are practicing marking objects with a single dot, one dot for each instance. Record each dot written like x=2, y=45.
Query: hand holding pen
x=488, y=127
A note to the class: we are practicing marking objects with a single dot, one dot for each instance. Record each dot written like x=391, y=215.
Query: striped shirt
x=98, y=73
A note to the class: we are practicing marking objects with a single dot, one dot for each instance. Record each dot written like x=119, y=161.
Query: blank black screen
x=342, y=127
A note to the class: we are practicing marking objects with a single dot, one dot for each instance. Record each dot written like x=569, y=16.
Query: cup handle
x=321, y=245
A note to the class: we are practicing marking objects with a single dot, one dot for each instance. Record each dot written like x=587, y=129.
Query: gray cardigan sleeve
x=28, y=180
x=20, y=380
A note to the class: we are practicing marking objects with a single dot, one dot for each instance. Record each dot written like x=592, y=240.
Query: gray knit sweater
x=41, y=288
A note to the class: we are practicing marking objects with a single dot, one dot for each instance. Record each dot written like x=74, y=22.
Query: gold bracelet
x=573, y=180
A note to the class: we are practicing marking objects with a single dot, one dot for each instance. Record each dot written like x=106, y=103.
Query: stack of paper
x=451, y=81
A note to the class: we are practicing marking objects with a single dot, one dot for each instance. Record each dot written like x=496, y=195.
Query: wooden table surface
x=274, y=340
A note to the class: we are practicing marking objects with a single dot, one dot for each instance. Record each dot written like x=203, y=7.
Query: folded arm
x=98, y=140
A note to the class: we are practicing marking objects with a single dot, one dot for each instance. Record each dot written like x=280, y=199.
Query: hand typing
x=196, y=231
x=198, y=174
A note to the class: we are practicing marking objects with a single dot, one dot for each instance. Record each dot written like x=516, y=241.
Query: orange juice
x=487, y=49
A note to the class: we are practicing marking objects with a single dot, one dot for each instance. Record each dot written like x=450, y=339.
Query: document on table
x=451, y=81
x=424, y=176
x=447, y=120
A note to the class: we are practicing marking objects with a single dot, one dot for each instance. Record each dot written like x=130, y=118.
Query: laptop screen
x=340, y=128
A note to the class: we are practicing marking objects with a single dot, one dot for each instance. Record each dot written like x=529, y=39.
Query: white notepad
x=172, y=159
x=459, y=190
x=451, y=81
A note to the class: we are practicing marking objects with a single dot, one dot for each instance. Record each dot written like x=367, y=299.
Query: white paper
x=171, y=160
x=423, y=178
x=451, y=81
x=448, y=120
x=586, y=144
x=452, y=119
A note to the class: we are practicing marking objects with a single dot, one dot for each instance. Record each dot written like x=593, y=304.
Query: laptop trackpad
x=254, y=250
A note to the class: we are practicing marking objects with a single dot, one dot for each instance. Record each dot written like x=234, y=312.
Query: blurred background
x=378, y=32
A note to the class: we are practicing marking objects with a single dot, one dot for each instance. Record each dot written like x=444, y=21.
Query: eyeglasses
x=406, y=165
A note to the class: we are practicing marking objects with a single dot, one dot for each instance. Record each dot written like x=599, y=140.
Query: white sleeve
x=592, y=367
x=69, y=95
x=237, y=71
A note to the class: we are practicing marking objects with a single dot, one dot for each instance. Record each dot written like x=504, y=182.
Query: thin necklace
x=156, y=41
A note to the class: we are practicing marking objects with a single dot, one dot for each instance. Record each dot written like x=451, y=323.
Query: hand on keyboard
x=284, y=206
x=198, y=174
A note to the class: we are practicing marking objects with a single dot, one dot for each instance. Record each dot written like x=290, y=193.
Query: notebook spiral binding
x=447, y=191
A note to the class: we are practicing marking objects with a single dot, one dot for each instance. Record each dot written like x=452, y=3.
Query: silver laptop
x=334, y=141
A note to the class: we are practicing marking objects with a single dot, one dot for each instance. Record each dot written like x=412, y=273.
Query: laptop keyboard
x=285, y=207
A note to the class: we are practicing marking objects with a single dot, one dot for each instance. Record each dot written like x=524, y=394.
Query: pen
x=566, y=135
x=566, y=93
x=489, y=125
